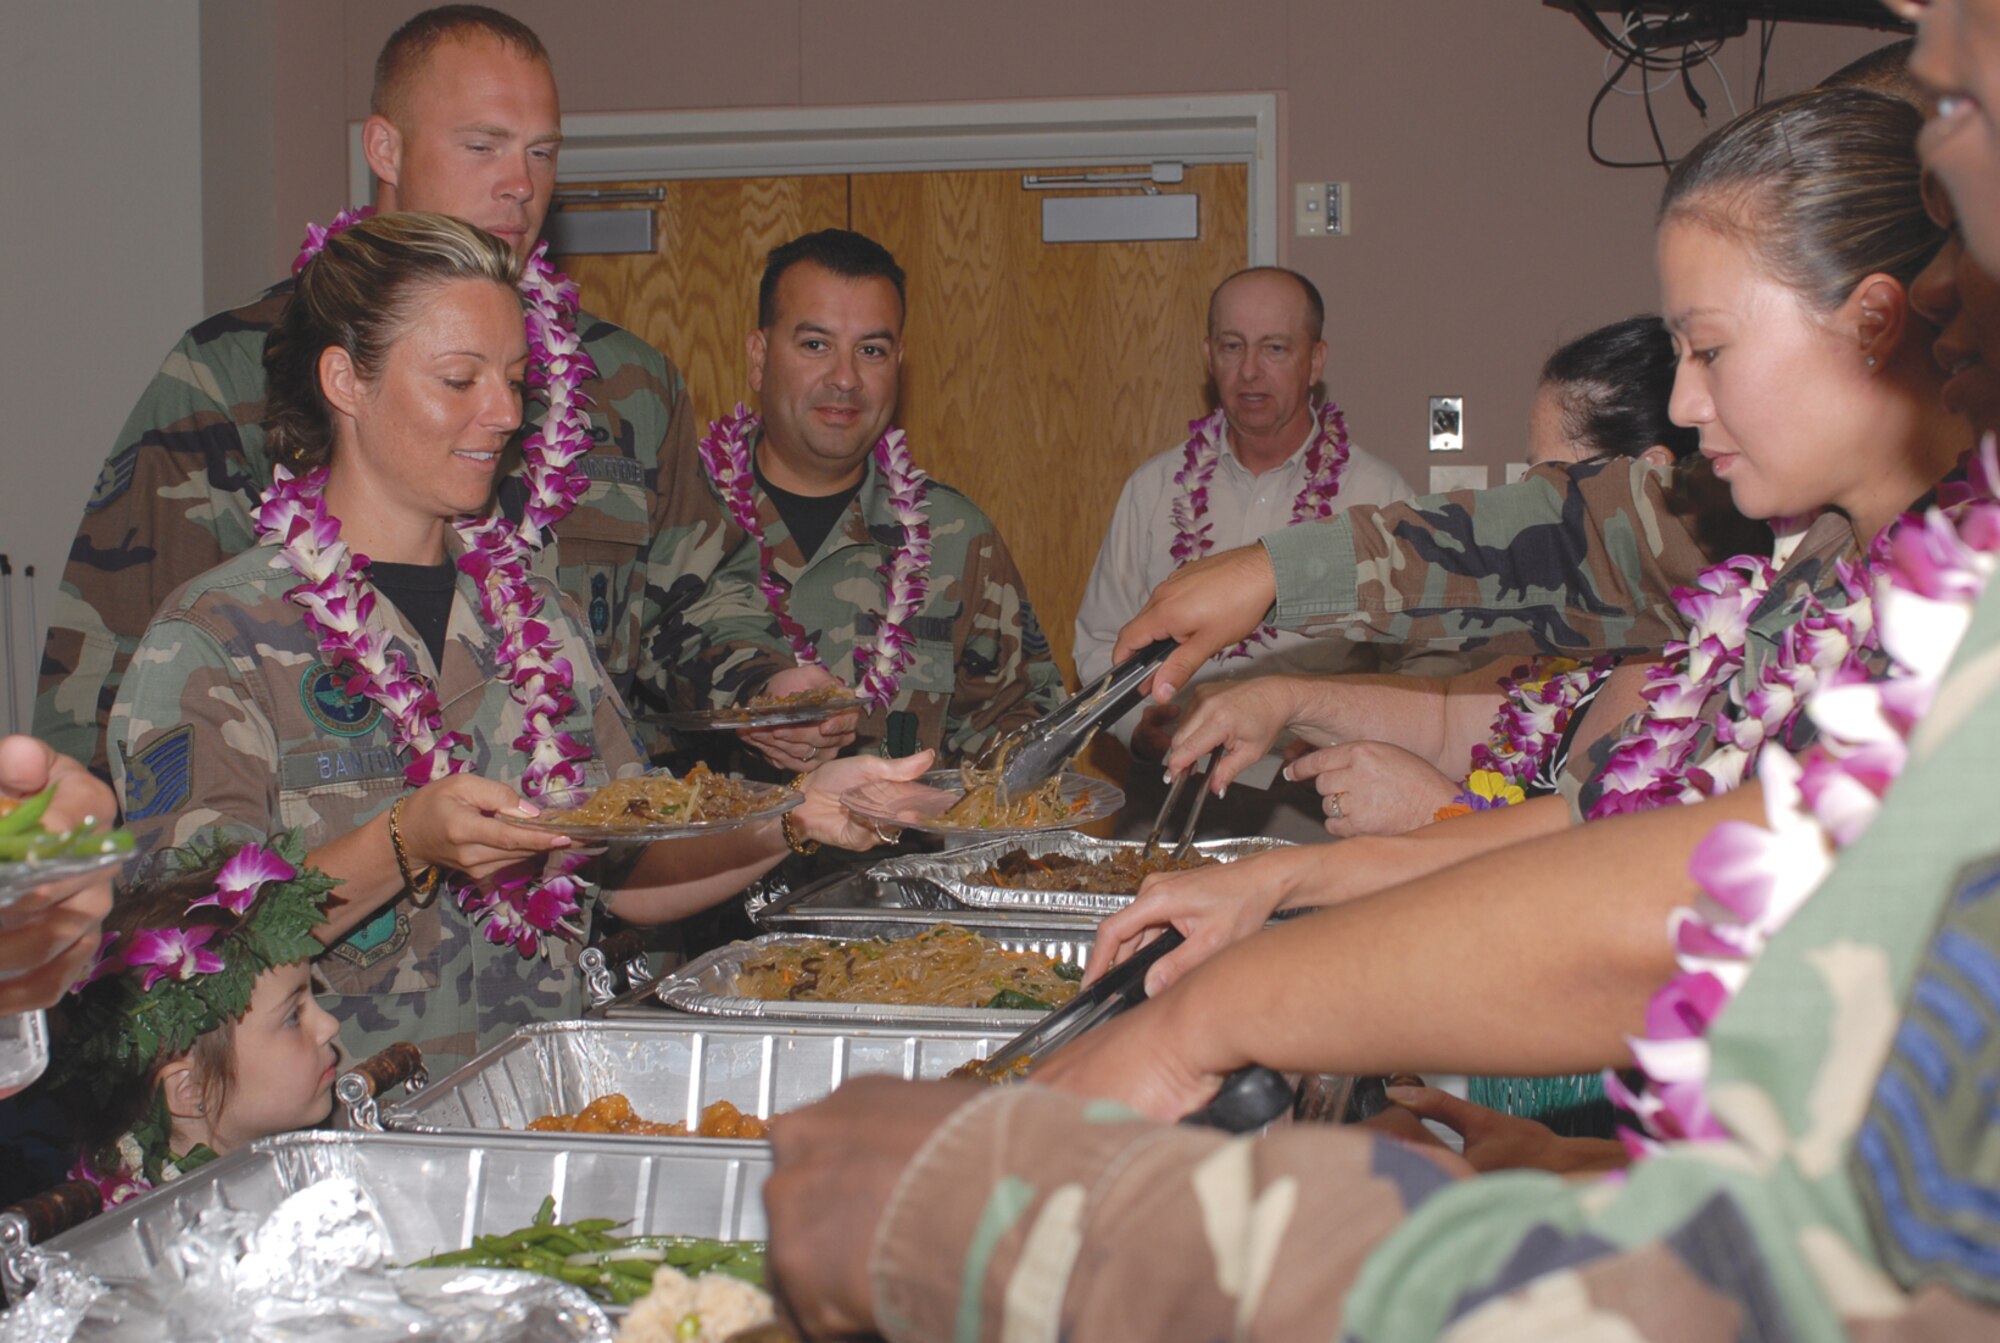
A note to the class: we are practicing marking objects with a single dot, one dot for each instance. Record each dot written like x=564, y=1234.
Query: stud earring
x=1871, y=361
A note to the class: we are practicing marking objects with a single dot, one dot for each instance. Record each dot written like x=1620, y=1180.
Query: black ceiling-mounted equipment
x=1713, y=20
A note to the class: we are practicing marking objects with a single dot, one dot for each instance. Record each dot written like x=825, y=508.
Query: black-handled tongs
x=1029, y=755
x=1249, y=1098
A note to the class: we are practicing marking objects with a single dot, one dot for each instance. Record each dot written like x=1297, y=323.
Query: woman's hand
x=1373, y=788
x=460, y=823
x=1214, y=907
x=1207, y=606
x=1244, y=718
x=1148, y=1058
x=805, y=747
x=822, y=816
x=1495, y=1141
x=48, y=936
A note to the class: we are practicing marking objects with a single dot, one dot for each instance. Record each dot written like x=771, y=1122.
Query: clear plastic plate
x=920, y=804
x=756, y=715
x=17, y=879
x=768, y=800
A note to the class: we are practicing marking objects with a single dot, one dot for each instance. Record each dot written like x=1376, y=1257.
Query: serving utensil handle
x=1249, y=1099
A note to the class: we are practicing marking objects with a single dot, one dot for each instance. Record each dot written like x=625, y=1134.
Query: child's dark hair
x=102, y=1109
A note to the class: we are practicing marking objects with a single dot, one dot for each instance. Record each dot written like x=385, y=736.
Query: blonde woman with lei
x=389, y=675
x=1787, y=245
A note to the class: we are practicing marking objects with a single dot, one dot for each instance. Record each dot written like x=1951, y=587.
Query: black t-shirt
x=808, y=517
x=422, y=592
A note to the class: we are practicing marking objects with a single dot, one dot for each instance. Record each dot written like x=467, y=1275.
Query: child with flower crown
x=197, y=1030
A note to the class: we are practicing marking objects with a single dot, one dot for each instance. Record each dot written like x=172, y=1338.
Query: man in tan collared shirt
x=1265, y=356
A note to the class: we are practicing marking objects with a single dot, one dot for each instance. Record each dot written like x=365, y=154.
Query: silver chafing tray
x=437, y=1192
x=954, y=870
x=669, y=1070
x=707, y=985
x=833, y=904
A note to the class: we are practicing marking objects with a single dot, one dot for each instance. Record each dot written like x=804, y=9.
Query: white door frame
x=1080, y=132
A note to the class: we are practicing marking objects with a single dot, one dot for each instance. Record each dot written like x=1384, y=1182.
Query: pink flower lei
x=1537, y=701
x=879, y=665
x=1929, y=572
x=521, y=905
x=1655, y=764
x=1326, y=463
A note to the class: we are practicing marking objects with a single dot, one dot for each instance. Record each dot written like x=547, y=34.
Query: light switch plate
x=1322, y=210
x=1445, y=478
x=1447, y=424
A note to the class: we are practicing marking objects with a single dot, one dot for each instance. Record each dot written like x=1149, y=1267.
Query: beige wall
x=1484, y=234
x=103, y=244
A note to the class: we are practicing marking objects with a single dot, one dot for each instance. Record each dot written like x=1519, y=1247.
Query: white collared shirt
x=1138, y=553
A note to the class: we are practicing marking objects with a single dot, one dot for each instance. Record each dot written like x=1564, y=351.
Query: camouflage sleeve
x=1037, y=1215
x=691, y=536
x=1006, y=676
x=737, y=645
x=191, y=745
x=1568, y=560
x=172, y=501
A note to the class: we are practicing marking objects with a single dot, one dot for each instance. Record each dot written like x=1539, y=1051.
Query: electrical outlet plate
x=1447, y=424
x=1322, y=210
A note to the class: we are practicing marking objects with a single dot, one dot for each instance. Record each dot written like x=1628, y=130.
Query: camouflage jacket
x=981, y=664
x=174, y=500
x=1855, y=1198
x=1571, y=560
x=229, y=718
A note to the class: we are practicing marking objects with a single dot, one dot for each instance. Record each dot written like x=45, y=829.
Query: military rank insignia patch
x=158, y=780
x=328, y=704
x=114, y=479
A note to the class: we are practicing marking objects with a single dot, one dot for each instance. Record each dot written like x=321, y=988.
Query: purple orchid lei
x=525, y=903
x=878, y=665
x=1537, y=700
x=1929, y=571
x=1655, y=764
x=1326, y=463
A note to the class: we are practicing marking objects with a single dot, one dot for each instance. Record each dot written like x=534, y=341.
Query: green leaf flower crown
x=154, y=991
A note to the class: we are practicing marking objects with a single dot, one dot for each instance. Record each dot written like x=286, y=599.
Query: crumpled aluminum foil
x=315, y=1269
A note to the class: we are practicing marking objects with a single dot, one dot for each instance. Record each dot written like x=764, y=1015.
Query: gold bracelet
x=793, y=840
x=424, y=883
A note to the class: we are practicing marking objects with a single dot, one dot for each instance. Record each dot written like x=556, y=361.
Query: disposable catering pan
x=436, y=1192
x=842, y=900
x=707, y=986
x=955, y=872
x=669, y=1069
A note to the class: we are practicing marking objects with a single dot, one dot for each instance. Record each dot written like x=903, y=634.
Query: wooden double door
x=1035, y=376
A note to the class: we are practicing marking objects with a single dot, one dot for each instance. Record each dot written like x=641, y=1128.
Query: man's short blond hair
x=410, y=46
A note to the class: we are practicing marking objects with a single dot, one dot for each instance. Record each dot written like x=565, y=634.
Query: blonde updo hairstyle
x=361, y=293
x=1823, y=188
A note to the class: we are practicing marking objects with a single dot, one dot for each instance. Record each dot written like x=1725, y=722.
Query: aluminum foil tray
x=707, y=986
x=437, y=1192
x=669, y=1070
x=836, y=902
x=952, y=872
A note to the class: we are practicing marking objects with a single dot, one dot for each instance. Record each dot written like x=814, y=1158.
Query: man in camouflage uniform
x=825, y=361
x=1854, y=1198
x=174, y=498
x=231, y=719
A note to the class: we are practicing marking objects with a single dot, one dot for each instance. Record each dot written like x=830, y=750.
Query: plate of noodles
x=964, y=801
x=802, y=706
x=659, y=805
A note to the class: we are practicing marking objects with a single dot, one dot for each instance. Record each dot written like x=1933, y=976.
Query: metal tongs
x=1179, y=785
x=1249, y=1098
x=1030, y=755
